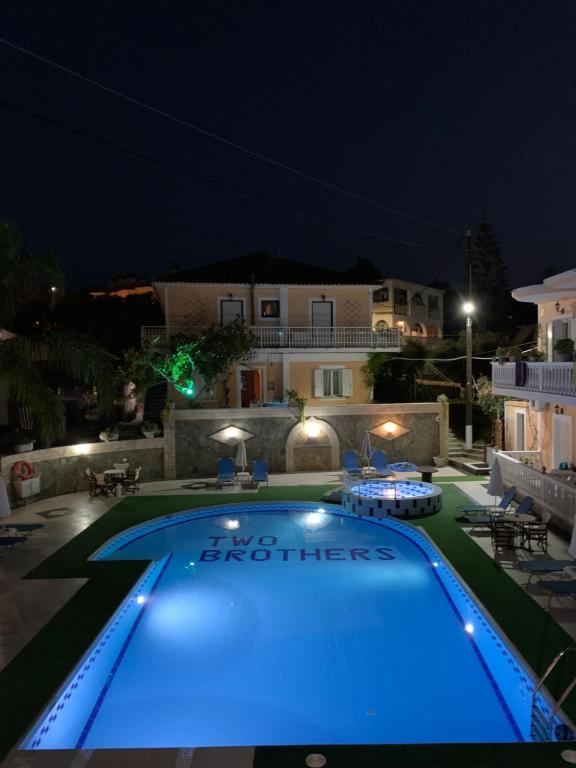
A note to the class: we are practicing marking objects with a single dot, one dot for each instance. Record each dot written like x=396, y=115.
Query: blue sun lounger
x=503, y=504
x=542, y=567
x=558, y=589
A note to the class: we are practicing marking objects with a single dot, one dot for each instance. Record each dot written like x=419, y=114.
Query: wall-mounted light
x=312, y=427
x=230, y=295
x=323, y=297
x=232, y=433
x=82, y=449
x=556, y=409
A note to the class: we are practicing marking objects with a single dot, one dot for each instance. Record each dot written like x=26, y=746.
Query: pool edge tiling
x=511, y=682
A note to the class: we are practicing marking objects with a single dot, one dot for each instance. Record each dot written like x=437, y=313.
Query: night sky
x=446, y=110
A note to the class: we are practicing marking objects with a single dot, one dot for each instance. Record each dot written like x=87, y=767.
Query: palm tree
x=29, y=364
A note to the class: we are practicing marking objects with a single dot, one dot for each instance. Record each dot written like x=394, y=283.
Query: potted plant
x=109, y=434
x=501, y=355
x=296, y=401
x=515, y=354
x=24, y=441
x=149, y=428
x=536, y=356
x=564, y=350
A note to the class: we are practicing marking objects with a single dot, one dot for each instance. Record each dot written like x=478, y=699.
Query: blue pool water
x=289, y=624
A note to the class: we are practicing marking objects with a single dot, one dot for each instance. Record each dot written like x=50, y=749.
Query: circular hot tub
x=380, y=498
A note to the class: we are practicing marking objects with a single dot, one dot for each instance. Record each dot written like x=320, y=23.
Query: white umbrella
x=4, y=503
x=366, y=452
x=241, y=459
x=496, y=484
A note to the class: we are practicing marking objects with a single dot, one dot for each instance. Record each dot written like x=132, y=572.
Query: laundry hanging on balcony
x=520, y=373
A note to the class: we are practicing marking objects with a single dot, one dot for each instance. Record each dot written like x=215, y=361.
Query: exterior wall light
x=312, y=427
x=82, y=449
x=232, y=433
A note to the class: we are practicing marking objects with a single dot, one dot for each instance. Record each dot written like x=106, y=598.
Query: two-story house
x=543, y=419
x=412, y=309
x=313, y=326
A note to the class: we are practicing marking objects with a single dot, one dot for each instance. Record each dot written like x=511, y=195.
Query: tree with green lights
x=207, y=358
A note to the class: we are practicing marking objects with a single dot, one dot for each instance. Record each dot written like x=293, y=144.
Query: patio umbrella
x=4, y=503
x=496, y=484
x=366, y=452
x=241, y=459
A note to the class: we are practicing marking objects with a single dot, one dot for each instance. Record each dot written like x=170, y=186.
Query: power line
x=202, y=179
x=223, y=140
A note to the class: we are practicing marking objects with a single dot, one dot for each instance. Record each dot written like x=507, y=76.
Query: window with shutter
x=318, y=382
x=346, y=382
x=332, y=382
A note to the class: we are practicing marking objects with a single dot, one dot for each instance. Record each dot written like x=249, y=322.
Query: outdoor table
x=110, y=473
x=242, y=477
x=368, y=471
x=512, y=518
x=426, y=473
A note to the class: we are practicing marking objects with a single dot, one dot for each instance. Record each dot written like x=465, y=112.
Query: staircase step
x=469, y=464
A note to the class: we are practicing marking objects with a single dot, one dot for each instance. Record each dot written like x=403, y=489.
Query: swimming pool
x=276, y=624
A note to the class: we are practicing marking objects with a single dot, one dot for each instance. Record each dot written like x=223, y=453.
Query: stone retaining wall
x=63, y=469
x=277, y=435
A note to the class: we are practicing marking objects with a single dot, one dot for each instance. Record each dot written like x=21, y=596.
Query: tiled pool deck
x=27, y=605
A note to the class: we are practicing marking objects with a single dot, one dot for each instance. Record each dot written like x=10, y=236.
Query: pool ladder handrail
x=567, y=691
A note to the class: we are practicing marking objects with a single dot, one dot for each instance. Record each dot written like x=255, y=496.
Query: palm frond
x=21, y=380
x=24, y=272
x=76, y=357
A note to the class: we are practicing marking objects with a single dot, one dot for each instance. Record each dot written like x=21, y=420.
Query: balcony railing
x=543, y=381
x=550, y=494
x=293, y=337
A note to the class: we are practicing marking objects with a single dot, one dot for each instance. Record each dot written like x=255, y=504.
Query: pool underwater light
x=140, y=599
x=469, y=628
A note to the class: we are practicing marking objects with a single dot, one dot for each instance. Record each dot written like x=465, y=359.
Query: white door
x=230, y=309
x=561, y=440
x=520, y=430
x=322, y=314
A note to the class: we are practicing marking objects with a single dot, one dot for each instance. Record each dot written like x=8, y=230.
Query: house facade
x=314, y=328
x=412, y=309
x=543, y=414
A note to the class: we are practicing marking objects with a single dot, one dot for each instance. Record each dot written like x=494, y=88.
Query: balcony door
x=561, y=440
x=322, y=314
x=230, y=309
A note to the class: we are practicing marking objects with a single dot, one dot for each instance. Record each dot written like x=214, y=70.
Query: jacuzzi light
x=469, y=628
x=140, y=599
x=314, y=518
x=435, y=563
x=232, y=525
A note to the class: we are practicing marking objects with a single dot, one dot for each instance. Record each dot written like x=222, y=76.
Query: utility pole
x=469, y=309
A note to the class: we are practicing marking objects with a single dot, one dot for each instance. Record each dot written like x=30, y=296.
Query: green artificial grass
x=29, y=681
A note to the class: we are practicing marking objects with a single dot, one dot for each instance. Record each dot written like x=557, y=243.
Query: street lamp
x=468, y=308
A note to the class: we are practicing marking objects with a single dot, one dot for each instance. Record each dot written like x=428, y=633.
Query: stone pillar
x=444, y=425
x=169, y=444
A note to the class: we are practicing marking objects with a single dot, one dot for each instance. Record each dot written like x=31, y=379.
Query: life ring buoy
x=23, y=470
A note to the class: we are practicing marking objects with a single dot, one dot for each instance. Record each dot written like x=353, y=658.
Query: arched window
x=417, y=300
x=433, y=331
x=381, y=325
x=417, y=329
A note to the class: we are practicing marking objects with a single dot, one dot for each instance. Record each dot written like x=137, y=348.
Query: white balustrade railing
x=550, y=494
x=292, y=337
x=541, y=378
